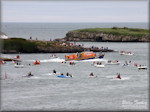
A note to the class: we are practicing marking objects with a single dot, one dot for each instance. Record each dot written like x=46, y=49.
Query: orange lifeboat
x=82, y=56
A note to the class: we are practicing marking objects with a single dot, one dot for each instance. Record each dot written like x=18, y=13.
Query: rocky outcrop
x=102, y=37
x=58, y=49
x=20, y=45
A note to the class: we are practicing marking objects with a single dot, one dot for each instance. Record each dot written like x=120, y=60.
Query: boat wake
x=51, y=73
x=48, y=60
x=122, y=78
x=114, y=78
x=48, y=74
x=63, y=60
x=53, y=60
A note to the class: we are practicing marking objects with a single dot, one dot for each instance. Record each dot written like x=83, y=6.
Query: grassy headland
x=134, y=32
x=114, y=34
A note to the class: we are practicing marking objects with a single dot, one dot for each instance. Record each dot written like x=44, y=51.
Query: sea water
x=46, y=91
x=47, y=31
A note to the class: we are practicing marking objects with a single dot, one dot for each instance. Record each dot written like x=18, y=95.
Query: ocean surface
x=45, y=91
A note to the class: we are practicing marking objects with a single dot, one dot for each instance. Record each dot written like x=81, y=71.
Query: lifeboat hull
x=86, y=58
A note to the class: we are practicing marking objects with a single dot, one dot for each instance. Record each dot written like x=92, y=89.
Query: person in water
x=118, y=76
x=54, y=71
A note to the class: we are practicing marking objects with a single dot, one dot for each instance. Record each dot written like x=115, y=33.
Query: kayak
x=28, y=75
x=93, y=76
x=62, y=76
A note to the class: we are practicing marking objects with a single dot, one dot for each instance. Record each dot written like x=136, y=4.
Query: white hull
x=99, y=66
x=54, y=57
x=113, y=63
x=126, y=53
x=142, y=67
x=129, y=54
x=122, y=53
x=19, y=66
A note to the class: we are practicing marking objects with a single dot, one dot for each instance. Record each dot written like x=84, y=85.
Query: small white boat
x=122, y=52
x=99, y=66
x=142, y=67
x=129, y=54
x=126, y=53
x=53, y=57
x=18, y=66
x=110, y=62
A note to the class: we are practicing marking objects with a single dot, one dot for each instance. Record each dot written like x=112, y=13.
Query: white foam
x=48, y=74
x=35, y=77
x=53, y=60
x=51, y=73
x=62, y=60
x=114, y=78
x=122, y=78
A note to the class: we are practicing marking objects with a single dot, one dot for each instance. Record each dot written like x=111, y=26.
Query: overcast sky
x=74, y=11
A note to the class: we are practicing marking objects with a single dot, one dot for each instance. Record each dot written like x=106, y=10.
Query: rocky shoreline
x=114, y=34
x=102, y=37
x=19, y=45
x=67, y=44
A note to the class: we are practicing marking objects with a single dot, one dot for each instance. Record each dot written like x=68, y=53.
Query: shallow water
x=45, y=91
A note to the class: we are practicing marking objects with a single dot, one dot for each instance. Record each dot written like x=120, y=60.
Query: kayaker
x=62, y=74
x=91, y=74
x=135, y=64
x=67, y=74
x=118, y=76
x=54, y=71
x=30, y=74
x=71, y=63
x=36, y=62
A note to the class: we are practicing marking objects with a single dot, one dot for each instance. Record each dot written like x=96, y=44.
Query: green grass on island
x=19, y=44
x=134, y=32
x=34, y=46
